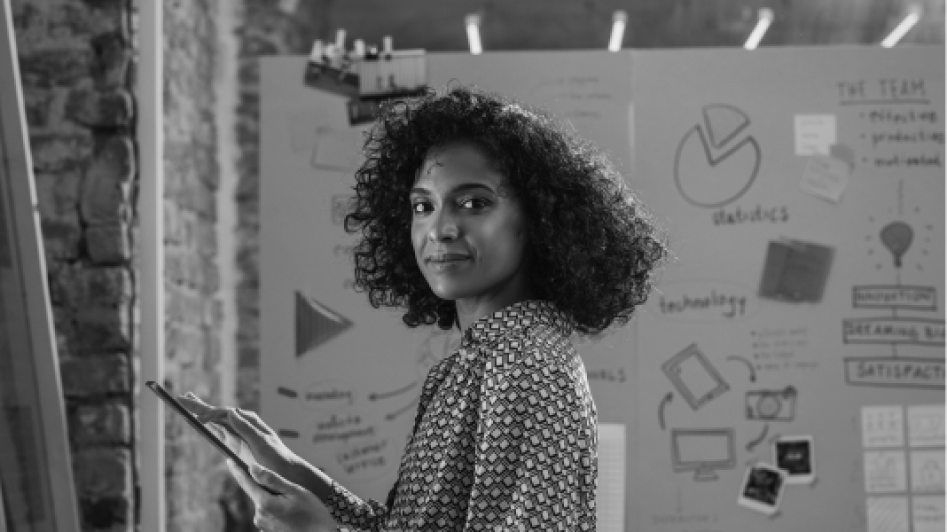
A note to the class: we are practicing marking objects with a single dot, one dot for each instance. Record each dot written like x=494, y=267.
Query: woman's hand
x=293, y=509
x=244, y=431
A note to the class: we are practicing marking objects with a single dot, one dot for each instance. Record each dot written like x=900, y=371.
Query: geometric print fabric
x=505, y=437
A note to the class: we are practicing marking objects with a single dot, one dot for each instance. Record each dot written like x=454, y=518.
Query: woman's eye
x=420, y=207
x=474, y=203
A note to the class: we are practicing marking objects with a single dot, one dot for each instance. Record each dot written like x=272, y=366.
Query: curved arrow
x=667, y=399
x=401, y=410
x=748, y=365
x=385, y=395
x=752, y=445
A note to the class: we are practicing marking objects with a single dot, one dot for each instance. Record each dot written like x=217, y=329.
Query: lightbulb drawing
x=897, y=237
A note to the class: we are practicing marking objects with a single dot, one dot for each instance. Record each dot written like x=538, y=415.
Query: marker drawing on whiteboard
x=286, y=392
x=771, y=405
x=385, y=395
x=694, y=376
x=402, y=410
x=754, y=443
x=287, y=434
x=713, y=172
x=749, y=366
x=667, y=399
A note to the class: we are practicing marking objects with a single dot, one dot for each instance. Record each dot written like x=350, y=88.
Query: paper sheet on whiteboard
x=610, y=498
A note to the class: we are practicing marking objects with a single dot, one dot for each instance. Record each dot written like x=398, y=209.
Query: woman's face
x=467, y=228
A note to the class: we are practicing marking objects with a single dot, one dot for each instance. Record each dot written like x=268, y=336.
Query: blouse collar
x=521, y=315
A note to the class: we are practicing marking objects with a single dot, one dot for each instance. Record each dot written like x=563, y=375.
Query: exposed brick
x=107, y=423
x=58, y=198
x=95, y=375
x=103, y=473
x=96, y=108
x=108, y=244
x=104, y=329
x=112, y=58
x=61, y=151
x=67, y=336
x=106, y=287
x=105, y=190
x=107, y=514
x=44, y=108
x=61, y=66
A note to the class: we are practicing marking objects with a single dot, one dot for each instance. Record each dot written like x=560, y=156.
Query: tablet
x=201, y=429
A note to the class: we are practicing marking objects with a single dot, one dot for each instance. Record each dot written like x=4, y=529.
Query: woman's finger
x=247, y=430
x=194, y=405
x=217, y=415
x=254, y=419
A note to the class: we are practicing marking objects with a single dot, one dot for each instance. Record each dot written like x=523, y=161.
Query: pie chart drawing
x=715, y=162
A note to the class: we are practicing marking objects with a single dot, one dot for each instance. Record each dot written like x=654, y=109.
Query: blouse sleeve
x=535, y=464
x=354, y=513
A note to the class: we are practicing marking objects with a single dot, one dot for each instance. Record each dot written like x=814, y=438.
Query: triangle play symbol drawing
x=316, y=324
x=724, y=122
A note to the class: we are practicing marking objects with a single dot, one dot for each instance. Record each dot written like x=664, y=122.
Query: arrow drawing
x=749, y=366
x=385, y=395
x=752, y=445
x=286, y=433
x=667, y=399
x=402, y=410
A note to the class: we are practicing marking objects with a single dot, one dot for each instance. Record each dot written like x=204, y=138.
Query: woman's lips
x=447, y=261
x=447, y=257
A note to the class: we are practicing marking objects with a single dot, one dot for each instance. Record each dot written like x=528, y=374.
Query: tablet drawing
x=694, y=376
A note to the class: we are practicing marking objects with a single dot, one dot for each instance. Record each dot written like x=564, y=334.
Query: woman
x=477, y=213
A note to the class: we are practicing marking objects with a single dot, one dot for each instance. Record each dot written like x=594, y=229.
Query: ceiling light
x=619, y=19
x=766, y=17
x=473, y=33
x=914, y=15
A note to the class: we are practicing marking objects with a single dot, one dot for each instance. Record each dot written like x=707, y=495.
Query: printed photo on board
x=794, y=455
x=762, y=488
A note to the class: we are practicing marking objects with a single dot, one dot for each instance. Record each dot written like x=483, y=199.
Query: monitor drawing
x=703, y=451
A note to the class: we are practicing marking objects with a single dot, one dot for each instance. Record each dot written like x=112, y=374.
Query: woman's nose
x=444, y=228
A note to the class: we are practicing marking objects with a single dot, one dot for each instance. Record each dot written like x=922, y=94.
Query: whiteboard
x=792, y=182
x=754, y=164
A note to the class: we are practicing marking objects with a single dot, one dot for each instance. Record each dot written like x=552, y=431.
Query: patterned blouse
x=505, y=436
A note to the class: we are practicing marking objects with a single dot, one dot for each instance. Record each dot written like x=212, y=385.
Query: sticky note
x=885, y=472
x=927, y=471
x=887, y=514
x=882, y=426
x=815, y=134
x=928, y=513
x=825, y=177
x=926, y=425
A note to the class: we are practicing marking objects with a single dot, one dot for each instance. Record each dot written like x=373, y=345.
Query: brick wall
x=195, y=473
x=74, y=59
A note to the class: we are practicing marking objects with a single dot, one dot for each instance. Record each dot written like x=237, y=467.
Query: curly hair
x=592, y=250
